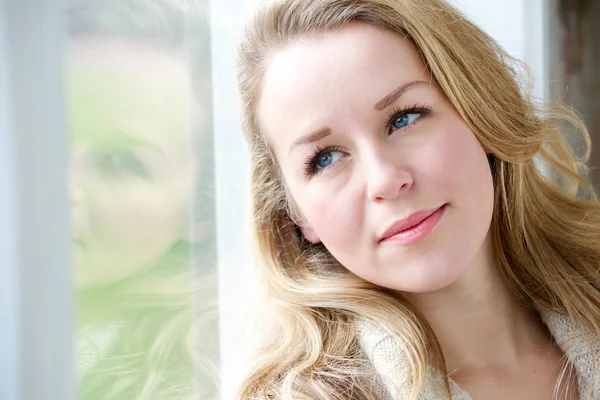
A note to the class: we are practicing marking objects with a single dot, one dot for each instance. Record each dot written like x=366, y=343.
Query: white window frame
x=36, y=293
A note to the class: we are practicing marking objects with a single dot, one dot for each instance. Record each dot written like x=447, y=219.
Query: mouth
x=413, y=228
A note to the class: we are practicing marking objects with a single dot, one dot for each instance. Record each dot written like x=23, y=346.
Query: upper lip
x=404, y=224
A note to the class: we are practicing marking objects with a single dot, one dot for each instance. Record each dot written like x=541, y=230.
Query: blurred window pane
x=141, y=172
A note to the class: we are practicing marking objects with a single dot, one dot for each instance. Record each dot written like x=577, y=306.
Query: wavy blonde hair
x=545, y=225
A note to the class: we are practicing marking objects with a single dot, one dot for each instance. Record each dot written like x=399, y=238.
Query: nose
x=387, y=176
x=76, y=193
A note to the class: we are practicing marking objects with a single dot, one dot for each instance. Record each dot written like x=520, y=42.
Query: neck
x=478, y=320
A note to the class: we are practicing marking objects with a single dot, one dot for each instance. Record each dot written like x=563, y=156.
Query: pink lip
x=414, y=227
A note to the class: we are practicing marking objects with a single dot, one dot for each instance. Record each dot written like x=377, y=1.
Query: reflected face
x=130, y=112
x=365, y=139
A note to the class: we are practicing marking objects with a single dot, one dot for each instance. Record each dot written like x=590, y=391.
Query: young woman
x=425, y=230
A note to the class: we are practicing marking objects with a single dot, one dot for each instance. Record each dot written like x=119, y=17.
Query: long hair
x=545, y=224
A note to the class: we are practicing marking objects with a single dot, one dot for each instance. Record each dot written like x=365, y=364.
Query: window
x=142, y=198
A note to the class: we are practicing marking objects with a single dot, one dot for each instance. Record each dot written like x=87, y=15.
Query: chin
x=429, y=279
x=429, y=286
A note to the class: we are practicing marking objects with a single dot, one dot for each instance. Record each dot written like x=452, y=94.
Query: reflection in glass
x=139, y=131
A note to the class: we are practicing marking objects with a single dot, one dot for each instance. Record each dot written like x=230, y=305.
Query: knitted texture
x=572, y=341
x=388, y=358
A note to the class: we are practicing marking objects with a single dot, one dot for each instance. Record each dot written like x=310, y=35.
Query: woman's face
x=131, y=170
x=365, y=139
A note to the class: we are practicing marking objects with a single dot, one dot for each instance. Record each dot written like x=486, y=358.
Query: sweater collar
x=386, y=356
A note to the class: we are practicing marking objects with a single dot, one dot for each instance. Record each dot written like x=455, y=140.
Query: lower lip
x=417, y=232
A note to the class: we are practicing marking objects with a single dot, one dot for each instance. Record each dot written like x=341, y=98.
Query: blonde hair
x=545, y=236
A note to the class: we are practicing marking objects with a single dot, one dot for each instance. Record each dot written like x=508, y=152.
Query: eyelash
x=310, y=165
x=424, y=110
x=311, y=169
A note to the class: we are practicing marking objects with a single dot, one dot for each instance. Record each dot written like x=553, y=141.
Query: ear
x=309, y=234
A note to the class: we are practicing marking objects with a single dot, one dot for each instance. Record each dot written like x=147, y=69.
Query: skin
x=131, y=169
x=380, y=172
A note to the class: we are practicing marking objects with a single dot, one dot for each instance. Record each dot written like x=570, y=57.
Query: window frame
x=36, y=292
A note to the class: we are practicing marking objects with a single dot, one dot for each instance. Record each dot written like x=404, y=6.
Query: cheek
x=137, y=213
x=334, y=218
x=472, y=171
x=457, y=164
x=461, y=174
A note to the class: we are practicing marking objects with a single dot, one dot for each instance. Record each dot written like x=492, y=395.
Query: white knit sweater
x=387, y=358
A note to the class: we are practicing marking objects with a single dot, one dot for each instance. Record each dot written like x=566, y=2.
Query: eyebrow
x=121, y=141
x=380, y=105
x=396, y=94
x=311, y=137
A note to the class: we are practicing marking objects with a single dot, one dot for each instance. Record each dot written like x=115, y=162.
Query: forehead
x=112, y=91
x=348, y=69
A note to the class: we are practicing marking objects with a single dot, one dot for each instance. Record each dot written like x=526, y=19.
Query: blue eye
x=322, y=159
x=327, y=159
x=403, y=120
